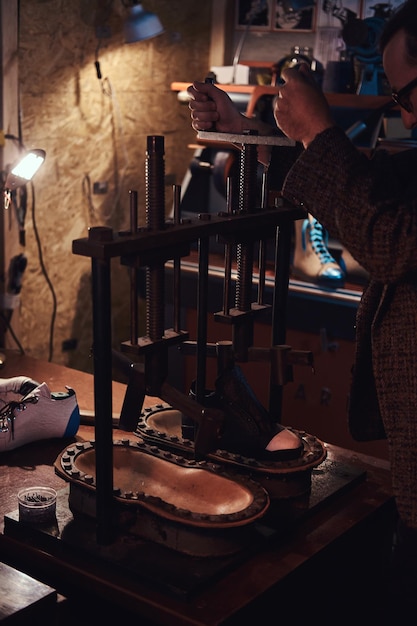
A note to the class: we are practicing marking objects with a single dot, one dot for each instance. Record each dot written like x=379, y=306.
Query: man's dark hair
x=404, y=18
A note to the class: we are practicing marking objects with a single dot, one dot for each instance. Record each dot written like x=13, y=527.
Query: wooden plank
x=324, y=548
x=24, y=597
x=317, y=553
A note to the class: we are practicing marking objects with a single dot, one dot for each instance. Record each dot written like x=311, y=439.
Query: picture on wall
x=253, y=14
x=294, y=15
x=335, y=13
x=373, y=9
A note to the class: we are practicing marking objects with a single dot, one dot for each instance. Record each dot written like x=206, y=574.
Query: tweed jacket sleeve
x=369, y=205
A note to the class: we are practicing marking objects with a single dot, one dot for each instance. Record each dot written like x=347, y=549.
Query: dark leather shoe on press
x=249, y=429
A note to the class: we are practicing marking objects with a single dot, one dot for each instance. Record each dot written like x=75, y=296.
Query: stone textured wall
x=95, y=131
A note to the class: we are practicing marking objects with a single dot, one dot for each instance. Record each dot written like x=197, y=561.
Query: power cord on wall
x=116, y=127
x=20, y=213
x=8, y=327
x=45, y=273
x=6, y=319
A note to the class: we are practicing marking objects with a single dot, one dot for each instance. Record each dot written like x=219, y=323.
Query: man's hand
x=211, y=107
x=301, y=109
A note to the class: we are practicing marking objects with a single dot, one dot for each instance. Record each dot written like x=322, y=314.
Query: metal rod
x=262, y=271
x=228, y=252
x=103, y=402
x=279, y=307
x=134, y=322
x=177, y=263
x=155, y=220
x=247, y=204
x=203, y=263
x=262, y=243
x=155, y=182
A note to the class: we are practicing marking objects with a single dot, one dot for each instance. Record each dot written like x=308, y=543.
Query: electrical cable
x=8, y=327
x=20, y=214
x=117, y=130
x=18, y=197
x=87, y=193
x=20, y=209
x=45, y=273
x=117, y=125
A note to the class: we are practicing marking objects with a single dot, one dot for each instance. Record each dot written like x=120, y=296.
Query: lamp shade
x=141, y=24
x=25, y=169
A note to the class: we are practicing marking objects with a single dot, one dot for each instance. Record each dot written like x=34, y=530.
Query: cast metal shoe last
x=200, y=494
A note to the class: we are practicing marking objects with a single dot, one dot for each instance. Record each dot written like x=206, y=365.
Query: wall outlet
x=103, y=31
x=69, y=344
x=100, y=188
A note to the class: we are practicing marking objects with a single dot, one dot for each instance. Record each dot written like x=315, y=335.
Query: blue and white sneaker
x=312, y=260
x=29, y=411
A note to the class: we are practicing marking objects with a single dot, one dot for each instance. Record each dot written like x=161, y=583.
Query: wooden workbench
x=335, y=552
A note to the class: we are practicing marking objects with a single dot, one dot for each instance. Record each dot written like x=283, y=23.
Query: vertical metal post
x=134, y=322
x=203, y=262
x=103, y=402
x=156, y=362
x=243, y=331
x=177, y=262
x=228, y=252
x=279, y=307
x=262, y=243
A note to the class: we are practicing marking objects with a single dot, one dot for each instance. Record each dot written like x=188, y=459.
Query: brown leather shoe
x=249, y=429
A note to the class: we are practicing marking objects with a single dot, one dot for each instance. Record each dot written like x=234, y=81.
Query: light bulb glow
x=28, y=166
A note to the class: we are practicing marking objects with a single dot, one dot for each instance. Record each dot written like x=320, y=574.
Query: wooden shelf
x=335, y=99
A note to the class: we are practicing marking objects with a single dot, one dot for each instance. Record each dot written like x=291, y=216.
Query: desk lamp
x=22, y=172
x=140, y=24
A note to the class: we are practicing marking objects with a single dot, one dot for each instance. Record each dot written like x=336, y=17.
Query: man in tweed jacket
x=370, y=206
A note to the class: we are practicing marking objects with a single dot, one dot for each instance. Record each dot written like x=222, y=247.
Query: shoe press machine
x=243, y=226
x=129, y=545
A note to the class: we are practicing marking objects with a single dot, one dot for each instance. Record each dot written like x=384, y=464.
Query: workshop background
x=73, y=87
x=94, y=131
